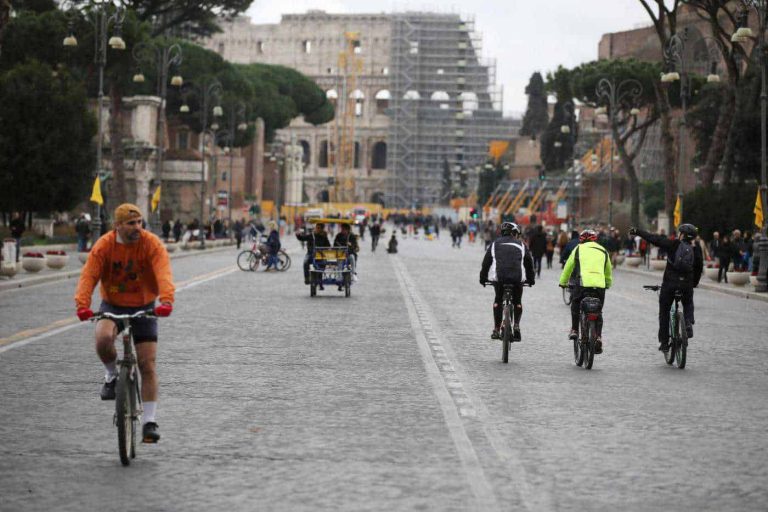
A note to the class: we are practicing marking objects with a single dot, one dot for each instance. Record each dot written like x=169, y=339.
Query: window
x=306, y=46
x=379, y=158
x=414, y=47
x=469, y=102
x=382, y=101
x=384, y=71
x=411, y=95
x=182, y=140
x=305, y=151
x=359, y=98
x=325, y=151
x=259, y=46
x=221, y=48
x=356, y=163
x=332, y=96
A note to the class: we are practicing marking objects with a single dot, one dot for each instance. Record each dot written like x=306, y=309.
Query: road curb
x=12, y=284
x=744, y=294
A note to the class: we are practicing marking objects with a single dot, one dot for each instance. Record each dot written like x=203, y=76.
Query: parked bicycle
x=590, y=315
x=678, y=347
x=250, y=259
x=127, y=393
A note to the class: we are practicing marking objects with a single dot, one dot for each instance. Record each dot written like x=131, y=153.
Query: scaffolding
x=445, y=106
x=350, y=67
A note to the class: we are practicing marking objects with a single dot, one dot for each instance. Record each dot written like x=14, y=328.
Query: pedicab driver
x=134, y=270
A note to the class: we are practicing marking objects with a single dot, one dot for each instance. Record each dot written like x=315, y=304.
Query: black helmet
x=509, y=228
x=687, y=231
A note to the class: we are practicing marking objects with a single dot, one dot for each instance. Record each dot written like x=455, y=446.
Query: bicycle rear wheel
x=283, y=261
x=589, y=346
x=578, y=352
x=681, y=347
x=123, y=416
x=506, y=336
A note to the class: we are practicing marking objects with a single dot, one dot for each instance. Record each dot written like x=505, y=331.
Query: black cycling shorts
x=144, y=329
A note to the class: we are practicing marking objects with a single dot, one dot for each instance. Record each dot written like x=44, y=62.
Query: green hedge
x=720, y=209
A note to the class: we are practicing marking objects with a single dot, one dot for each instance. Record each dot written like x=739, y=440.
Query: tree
x=628, y=130
x=552, y=156
x=653, y=198
x=536, y=115
x=46, y=132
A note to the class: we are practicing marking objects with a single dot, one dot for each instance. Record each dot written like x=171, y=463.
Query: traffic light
x=473, y=213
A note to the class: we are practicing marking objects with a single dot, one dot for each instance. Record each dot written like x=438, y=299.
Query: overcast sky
x=523, y=36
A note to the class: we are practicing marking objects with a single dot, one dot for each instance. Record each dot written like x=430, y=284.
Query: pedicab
x=332, y=266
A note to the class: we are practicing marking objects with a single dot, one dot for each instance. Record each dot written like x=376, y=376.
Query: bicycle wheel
x=506, y=335
x=681, y=348
x=123, y=417
x=135, y=407
x=669, y=355
x=578, y=353
x=347, y=284
x=567, y=296
x=283, y=261
x=245, y=260
x=589, y=346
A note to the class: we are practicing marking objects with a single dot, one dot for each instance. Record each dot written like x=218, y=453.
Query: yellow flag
x=156, y=198
x=758, y=211
x=96, y=196
x=678, y=212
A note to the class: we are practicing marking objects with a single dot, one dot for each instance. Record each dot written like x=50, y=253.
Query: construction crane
x=350, y=67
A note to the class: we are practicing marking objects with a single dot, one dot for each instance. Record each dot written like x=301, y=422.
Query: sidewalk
x=705, y=283
x=25, y=279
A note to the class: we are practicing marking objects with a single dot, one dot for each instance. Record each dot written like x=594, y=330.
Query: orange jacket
x=131, y=275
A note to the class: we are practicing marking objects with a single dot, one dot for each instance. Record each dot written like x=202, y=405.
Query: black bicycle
x=678, y=348
x=508, y=333
x=591, y=313
x=127, y=393
x=250, y=259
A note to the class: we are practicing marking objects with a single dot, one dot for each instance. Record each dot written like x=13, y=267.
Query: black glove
x=632, y=231
x=482, y=282
x=531, y=282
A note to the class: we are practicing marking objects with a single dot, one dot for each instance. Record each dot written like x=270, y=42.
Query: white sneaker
x=354, y=278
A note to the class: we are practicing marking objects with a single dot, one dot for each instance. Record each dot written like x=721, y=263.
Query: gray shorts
x=144, y=329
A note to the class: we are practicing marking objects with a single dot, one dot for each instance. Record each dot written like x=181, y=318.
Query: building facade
x=419, y=98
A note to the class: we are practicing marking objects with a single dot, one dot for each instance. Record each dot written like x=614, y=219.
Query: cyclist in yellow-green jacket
x=588, y=269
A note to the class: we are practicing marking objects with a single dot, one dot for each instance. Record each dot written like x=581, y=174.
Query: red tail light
x=593, y=317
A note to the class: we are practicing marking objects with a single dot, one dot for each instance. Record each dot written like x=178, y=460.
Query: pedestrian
x=724, y=255
x=83, y=231
x=550, y=250
x=17, y=229
x=392, y=246
x=238, y=231
x=375, y=230
x=177, y=230
x=569, y=247
x=538, y=245
x=166, y=230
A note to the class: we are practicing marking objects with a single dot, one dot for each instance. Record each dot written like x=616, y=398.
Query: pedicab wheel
x=312, y=290
x=347, y=286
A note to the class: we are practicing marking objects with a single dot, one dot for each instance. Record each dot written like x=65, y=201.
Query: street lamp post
x=743, y=33
x=624, y=94
x=97, y=13
x=163, y=57
x=237, y=123
x=207, y=92
x=569, y=130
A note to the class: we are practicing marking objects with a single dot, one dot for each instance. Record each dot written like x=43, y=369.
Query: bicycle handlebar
x=526, y=283
x=127, y=316
x=654, y=288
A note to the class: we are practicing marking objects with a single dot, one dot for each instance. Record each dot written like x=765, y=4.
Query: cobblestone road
x=394, y=399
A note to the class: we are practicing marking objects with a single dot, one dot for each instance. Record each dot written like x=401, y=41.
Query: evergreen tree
x=536, y=117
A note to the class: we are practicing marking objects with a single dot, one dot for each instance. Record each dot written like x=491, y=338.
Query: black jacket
x=341, y=241
x=314, y=240
x=671, y=276
x=506, y=260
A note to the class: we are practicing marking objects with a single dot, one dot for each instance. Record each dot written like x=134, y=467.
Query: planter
x=32, y=264
x=633, y=261
x=56, y=261
x=620, y=258
x=171, y=247
x=738, y=278
x=184, y=246
x=82, y=257
x=658, y=264
x=711, y=273
x=753, y=280
x=8, y=270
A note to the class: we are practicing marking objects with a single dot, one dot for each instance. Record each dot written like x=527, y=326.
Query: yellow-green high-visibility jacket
x=590, y=266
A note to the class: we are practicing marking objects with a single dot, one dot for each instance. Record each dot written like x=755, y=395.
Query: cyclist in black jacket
x=507, y=261
x=317, y=238
x=685, y=263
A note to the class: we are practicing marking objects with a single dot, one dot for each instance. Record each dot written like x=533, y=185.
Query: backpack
x=683, y=260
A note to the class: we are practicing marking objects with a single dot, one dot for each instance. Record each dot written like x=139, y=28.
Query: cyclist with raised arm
x=134, y=270
x=507, y=261
x=685, y=263
x=588, y=270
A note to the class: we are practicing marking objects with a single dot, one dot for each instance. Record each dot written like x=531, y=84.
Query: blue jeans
x=272, y=261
